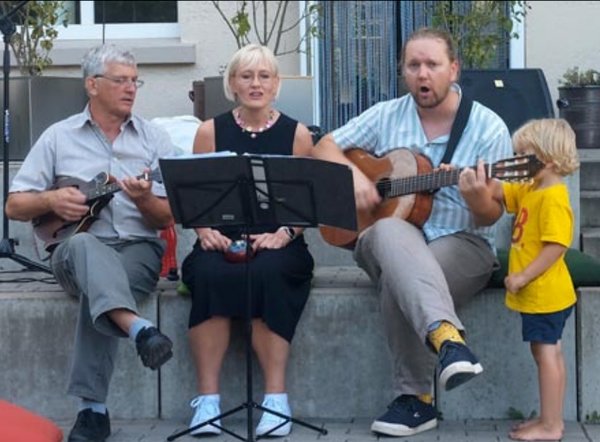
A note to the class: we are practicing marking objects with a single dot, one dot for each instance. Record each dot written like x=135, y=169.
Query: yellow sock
x=445, y=332
x=426, y=398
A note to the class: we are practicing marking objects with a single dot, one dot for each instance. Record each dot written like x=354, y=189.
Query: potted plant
x=33, y=28
x=579, y=104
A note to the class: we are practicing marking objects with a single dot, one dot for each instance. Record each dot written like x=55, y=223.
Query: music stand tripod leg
x=287, y=419
x=249, y=405
x=264, y=183
x=7, y=251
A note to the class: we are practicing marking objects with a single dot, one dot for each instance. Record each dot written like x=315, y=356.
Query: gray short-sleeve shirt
x=76, y=147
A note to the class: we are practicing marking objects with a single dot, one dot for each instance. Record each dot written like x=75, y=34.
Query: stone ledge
x=339, y=365
x=37, y=330
x=588, y=348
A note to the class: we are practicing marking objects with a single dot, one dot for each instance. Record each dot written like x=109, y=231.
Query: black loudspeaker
x=516, y=95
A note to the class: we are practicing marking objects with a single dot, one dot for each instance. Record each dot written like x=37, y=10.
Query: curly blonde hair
x=552, y=140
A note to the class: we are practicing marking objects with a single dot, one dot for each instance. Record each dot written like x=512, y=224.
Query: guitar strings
x=390, y=187
x=417, y=183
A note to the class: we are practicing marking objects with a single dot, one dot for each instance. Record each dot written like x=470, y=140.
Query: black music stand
x=253, y=190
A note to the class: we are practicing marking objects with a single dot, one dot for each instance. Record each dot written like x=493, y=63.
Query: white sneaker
x=268, y=421
x=206, y=408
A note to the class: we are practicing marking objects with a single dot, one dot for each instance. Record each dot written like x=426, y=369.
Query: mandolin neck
x=103, y=190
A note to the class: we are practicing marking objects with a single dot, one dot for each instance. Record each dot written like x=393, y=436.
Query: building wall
x=557, y=35
x=166, y=88
x=561, y=35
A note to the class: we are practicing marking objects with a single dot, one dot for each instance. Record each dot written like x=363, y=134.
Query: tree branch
x=273, y=26
x=229, y=25
x=279, y=34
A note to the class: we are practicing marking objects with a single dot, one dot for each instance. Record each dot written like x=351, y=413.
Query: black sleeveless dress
x=281, y=278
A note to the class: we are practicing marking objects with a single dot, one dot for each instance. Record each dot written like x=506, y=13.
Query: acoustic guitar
x=52, y=229
x=405, y=181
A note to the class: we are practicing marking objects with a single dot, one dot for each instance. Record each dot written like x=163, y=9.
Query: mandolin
x=52, y=229
x=405, y=180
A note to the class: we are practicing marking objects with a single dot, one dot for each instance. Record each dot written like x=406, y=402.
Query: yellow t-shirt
x=542, y=215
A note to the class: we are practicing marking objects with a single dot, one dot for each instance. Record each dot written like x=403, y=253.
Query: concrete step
x=590, y=241
x=589, y=176
x=339, y=365
x=37, y=323
x=589, y=155
x=347, y=430
x=590, y=208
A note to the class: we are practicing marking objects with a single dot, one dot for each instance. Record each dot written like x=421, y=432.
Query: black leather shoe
x=90, y=427
x=153, y=347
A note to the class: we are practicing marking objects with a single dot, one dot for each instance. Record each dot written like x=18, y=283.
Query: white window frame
x=90, y=30
x=517, y=45
x=314, y=61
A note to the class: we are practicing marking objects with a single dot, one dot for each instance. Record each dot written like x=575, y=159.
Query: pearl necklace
x=253, y=133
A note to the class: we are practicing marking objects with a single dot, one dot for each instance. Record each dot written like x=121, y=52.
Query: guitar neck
x=391, y=188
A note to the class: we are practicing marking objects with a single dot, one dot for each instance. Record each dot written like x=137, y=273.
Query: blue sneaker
x=457, y=365
x=406, y=415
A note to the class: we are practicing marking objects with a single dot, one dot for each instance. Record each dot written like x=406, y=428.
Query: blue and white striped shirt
x=395, y=123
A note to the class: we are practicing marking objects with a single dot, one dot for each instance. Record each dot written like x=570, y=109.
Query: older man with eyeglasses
x=111, y=259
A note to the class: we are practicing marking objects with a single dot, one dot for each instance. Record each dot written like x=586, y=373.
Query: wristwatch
x=290, y=232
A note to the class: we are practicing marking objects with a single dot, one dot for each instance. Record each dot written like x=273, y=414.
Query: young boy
x=538, y=284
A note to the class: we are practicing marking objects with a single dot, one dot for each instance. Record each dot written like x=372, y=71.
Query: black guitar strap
x=460, y=121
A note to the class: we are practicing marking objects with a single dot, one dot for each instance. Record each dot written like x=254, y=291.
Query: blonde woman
x=281, y=267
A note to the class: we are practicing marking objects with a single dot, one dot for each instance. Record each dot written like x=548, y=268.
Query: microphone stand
x=7, y=245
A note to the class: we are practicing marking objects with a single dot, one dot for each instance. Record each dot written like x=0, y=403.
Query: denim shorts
x=545, y=328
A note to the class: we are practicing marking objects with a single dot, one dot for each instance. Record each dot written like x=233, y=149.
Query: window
x=357, y=62
x=120, y=19
x=135, y=12
x=413, y=15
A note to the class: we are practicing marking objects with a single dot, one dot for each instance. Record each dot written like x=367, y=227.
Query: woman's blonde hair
x=248, y=57
x=552, y=140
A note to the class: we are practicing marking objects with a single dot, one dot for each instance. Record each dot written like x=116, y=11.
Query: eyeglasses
x=263, y=78
x=122, y=81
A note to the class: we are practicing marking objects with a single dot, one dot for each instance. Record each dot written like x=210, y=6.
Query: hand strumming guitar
x=68, y=203
x=365, y=192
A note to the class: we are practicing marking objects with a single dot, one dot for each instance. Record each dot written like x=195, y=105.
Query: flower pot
x=580, y=106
